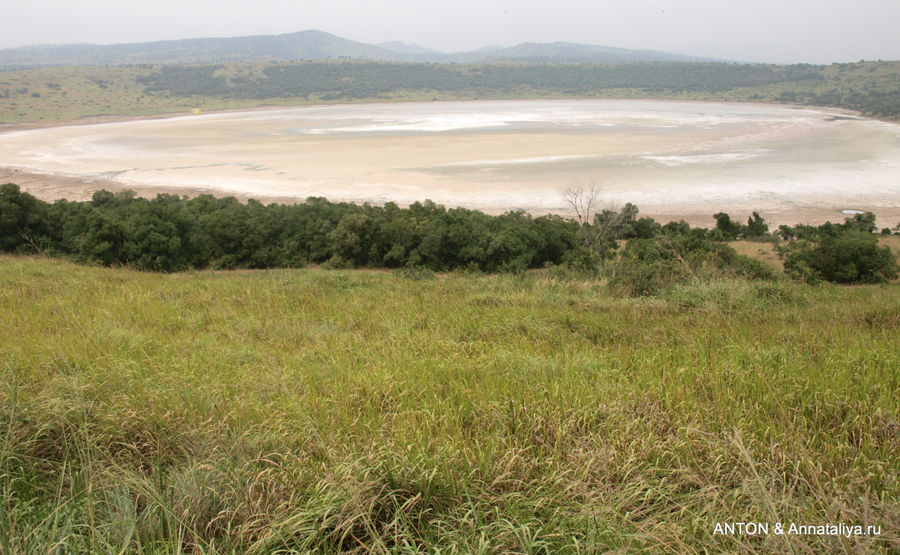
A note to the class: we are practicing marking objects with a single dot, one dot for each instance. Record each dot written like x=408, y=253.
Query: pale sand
x=674, y=160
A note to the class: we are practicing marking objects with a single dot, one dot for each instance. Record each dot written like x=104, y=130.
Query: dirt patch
x=764, y=252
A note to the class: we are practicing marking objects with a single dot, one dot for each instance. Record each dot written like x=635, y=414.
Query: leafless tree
x=583, y=201
x=598, y=228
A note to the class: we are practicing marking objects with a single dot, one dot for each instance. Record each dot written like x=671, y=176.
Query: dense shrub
x=23, y=220
x=840, y=253
x=853, y=257
x=680, y=255
x=171, y=233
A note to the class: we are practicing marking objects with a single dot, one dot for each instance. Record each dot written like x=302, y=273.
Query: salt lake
x=672, y=159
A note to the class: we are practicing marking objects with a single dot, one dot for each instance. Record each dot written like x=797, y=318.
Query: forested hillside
x=67, y=93
x=875, y=90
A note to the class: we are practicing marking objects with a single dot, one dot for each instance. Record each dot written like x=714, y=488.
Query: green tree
x=24, y=223
x=350, y=240
x=853, y=257
x=726, y=229
x=864, y=223
x=756, y=227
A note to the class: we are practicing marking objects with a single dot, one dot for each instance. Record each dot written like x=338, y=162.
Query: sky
x=770, y=31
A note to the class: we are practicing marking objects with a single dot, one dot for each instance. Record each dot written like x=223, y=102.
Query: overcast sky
x=778, y=31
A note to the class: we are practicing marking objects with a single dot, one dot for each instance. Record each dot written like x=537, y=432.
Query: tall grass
x=284, y=411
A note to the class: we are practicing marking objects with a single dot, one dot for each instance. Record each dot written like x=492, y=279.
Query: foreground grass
x=347, y=410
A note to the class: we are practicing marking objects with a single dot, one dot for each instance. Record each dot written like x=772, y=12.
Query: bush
x=415, y=273
x=637, y=279
x=680, y=255
x=848, y=258
x=751, y=268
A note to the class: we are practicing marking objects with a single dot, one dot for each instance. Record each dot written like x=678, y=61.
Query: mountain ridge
x=313, y=45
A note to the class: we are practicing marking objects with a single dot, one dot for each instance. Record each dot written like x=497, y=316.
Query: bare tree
x=598, y=228
x=583, y=201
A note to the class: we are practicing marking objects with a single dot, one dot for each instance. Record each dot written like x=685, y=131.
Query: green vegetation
x=847, y=253
x=67, y=93
x=171, y=233
x=71, y=93
x=359, y=80
x=296, y=410
x=649, y=384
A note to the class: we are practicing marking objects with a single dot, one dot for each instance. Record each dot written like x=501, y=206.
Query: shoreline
x=100, y=119
x=47, y=187
x=368, y=182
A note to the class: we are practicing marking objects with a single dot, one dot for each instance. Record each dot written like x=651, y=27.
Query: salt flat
x=673, y=159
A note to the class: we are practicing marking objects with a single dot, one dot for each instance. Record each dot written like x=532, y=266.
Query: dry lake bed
x=672, y=159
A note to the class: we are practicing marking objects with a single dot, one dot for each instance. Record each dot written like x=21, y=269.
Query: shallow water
x=664, y=156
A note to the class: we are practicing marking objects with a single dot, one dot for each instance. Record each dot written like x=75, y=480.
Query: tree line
x=355, y=79
x=172, y=233
x=870, y=88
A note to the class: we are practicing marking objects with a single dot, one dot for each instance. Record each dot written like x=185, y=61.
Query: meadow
x=357, y=410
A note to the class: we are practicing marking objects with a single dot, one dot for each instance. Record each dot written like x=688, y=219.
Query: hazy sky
x=780, y=31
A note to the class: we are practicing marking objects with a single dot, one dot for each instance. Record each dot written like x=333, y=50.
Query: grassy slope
x=258, y=410
x=69, y=93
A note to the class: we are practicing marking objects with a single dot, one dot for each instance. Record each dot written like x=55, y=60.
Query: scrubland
x=357, y=410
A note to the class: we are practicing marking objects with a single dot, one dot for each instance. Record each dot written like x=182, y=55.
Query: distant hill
x=310, y=45
x=406, y=48
x=568, y=52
